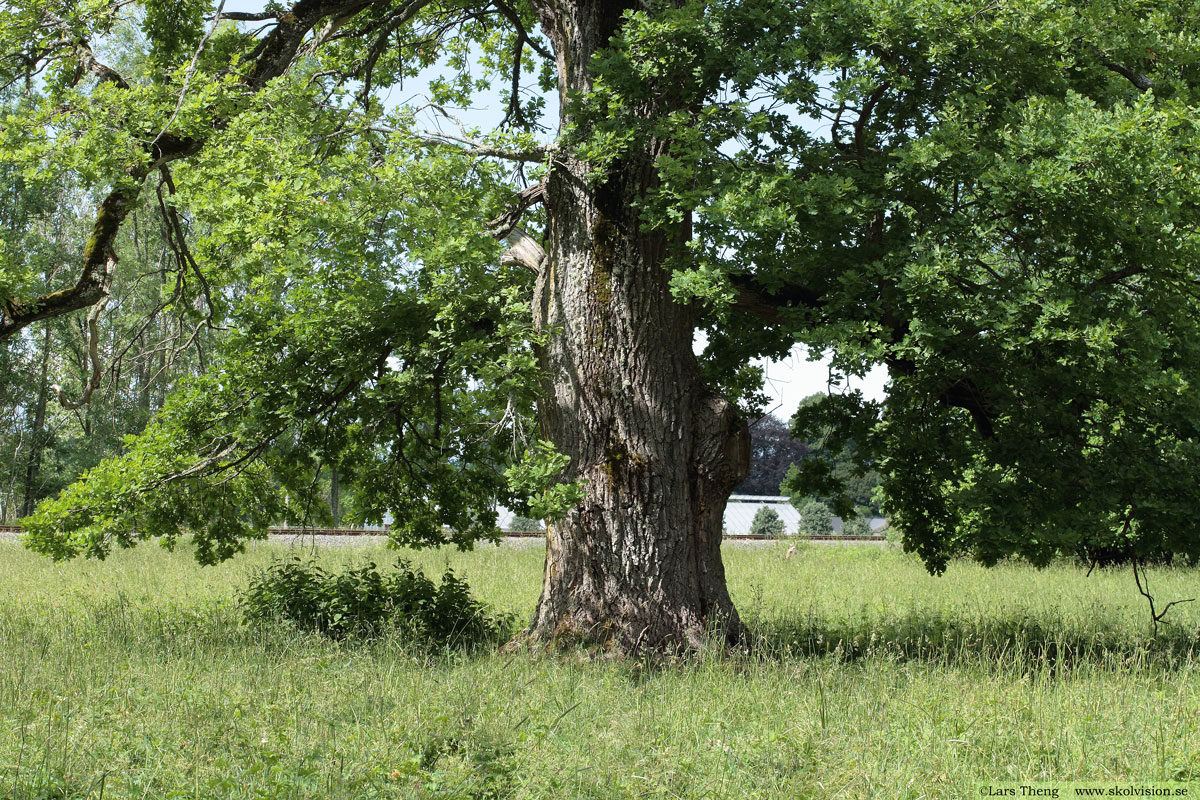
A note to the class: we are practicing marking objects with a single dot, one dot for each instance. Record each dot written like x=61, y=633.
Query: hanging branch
x=93, y=381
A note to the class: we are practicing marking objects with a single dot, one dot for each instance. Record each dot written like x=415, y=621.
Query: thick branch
x=525, y=251
x=270, y=59
x=249, y=16
x=965, y=394
x=962, y=393
x=1142, y=82
x=864, y=117
x=502, y=225
x=345, y=14
x=95, y=276
x=768, y=305
x=103, y=72
x=275, y=53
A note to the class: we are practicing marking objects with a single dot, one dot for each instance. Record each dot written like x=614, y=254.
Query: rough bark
x=637, y=565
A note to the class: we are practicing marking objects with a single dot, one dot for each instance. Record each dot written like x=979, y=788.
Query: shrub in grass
x=766, y=522
x=816, y=519
x=856, y=527
x=363, y=602
x=521, y=524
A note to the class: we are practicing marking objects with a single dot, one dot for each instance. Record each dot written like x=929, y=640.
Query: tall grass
x=136, y=678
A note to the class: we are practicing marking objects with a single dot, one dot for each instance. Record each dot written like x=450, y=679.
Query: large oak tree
x=997, y=200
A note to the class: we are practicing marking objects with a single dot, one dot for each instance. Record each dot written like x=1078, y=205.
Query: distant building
x=739, y=513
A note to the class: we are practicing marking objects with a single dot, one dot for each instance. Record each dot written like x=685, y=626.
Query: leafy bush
x=816, y=519
x=856, y=527
x=766, y=522
x=521, y=524
x=362, y=602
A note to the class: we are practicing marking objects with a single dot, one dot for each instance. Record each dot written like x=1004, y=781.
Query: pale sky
x=794, y=378
x=791, y=379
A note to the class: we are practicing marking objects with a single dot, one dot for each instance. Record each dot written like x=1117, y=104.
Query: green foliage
x=997, y=213
x=361, y=602
x=816, y=519
x=173, y=28
x=834, y=466
x=524, y=524
x=422, y=348
x=46, y=446
x=767, y=522
x=535, y=477
x=856, y=526
x=998, y=203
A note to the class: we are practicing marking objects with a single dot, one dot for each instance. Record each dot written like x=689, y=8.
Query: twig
x=1155, y=617
x=191, y=70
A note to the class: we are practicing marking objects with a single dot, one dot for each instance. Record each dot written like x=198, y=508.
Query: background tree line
x=775, y=455
x=73, y=387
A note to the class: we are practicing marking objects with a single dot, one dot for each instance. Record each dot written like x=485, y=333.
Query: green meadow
x=137, y=678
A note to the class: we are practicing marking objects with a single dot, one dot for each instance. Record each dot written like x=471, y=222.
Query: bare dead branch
x=93, y=381
x=502, y=225
x=1156, y=618
x=473, y=148
x=463, y=140
x=525, y=251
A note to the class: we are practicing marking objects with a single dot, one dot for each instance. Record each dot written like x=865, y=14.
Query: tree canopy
x=772, y=451
x=841, y=471
x=996, y=200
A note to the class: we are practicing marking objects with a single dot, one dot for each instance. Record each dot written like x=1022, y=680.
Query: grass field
x=135, y=678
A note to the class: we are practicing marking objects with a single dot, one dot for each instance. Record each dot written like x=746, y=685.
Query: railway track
x=509, y=534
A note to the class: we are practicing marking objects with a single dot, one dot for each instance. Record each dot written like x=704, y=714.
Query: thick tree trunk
x=637, y=565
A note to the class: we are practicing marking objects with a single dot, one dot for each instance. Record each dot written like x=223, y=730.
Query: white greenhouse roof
x=740, y=511
x=739, y=514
